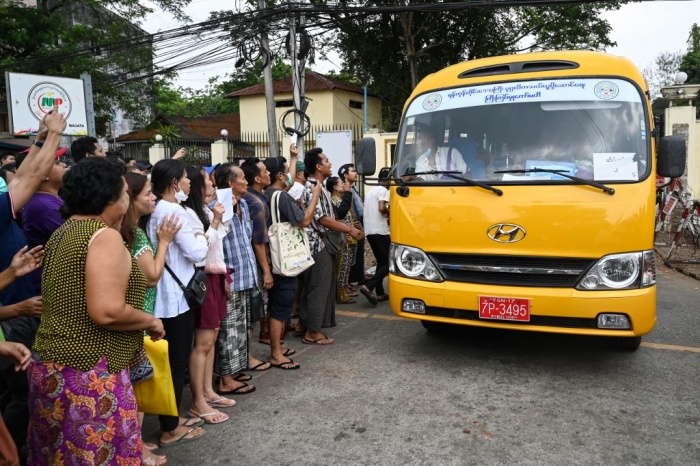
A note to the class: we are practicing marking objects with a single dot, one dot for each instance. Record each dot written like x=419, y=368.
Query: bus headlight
x=413, y=263
x=621, y=272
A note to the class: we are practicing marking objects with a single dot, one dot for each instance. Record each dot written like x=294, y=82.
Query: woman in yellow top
x=82, y=404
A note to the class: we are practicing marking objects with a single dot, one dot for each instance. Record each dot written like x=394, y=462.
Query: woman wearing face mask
x=171, y=186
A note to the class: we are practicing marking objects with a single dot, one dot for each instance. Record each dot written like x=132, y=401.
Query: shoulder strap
x=275, y=206
x=175, y=277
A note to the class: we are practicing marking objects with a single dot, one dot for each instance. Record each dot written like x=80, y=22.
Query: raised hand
x=168, y=229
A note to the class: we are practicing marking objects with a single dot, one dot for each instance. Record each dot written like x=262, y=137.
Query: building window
x=356, y=104
x=284, y=103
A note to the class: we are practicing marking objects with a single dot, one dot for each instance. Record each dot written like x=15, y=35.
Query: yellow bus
x=523, y=197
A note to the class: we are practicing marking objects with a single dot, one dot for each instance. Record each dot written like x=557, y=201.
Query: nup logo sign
x=44, y=95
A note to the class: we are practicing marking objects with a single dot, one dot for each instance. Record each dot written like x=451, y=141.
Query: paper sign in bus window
x=619, y=166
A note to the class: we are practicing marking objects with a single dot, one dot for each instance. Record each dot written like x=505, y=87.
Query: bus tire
x=628, y=343
x=431, y=326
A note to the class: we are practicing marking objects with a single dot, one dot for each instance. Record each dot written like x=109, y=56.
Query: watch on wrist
x=38, y=143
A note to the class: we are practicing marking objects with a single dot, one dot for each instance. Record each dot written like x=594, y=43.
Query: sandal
x=287, y=365
x=183, y=438
x=154, y=460
x=238, y=377
x=209, y=417
x=222, y=403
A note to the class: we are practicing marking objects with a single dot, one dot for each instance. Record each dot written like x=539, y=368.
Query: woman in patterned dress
x=82, y=406
x=344, y=258
x=142, y=202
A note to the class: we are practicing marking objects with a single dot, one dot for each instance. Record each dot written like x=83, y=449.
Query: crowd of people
x=94, y=256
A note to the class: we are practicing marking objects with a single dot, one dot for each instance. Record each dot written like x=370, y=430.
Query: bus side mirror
x=366, y=157
x=670, y=157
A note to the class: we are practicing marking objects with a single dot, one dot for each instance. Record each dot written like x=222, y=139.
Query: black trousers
x=357, y=271
x=380, y=248
x=179, y=332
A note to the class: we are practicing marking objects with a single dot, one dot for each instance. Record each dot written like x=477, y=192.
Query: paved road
x=390, y=393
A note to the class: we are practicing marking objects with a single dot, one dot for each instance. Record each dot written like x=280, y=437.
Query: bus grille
x=546, y=321
x=554, y=272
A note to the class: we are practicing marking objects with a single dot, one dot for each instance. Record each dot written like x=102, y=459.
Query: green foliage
x=420, y=43
x=32, y=37
x=690, y=63
x=194, y=103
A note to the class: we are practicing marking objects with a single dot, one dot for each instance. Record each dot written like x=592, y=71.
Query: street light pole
x=363, y=79
x=364, y=105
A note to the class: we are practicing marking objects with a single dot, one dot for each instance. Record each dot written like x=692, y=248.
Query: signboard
x=31, y=96
x=337, y=145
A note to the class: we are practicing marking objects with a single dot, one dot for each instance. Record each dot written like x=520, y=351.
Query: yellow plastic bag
x=157, y=394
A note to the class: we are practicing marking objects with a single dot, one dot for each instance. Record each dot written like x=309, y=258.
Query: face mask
x=180, y=195
x=289, y=180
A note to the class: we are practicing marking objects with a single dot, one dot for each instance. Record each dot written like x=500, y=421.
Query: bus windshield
x=519, y=132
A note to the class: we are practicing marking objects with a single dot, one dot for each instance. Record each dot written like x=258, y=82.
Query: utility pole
x=298, y=66
x=269, y=91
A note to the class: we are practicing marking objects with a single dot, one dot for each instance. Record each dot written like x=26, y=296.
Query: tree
x=193, y=103
x=68, y=37
x=663, y=73
x=417, y=43
x=690, y=63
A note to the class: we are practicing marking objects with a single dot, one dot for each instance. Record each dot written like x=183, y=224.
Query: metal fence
x=255, y=144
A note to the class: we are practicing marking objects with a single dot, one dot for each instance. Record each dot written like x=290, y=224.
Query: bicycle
x=688, y=232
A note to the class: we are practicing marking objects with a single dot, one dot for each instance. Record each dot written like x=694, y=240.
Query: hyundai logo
x=506, y=233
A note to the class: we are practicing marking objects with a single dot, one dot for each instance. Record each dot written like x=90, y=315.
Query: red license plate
x=494, y=307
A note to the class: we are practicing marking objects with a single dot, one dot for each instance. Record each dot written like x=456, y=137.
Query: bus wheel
x=431, y=326
x=628, y=343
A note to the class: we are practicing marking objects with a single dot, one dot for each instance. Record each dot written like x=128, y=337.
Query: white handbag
x=289, y=245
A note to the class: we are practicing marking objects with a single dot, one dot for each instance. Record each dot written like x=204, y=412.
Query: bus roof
x=527, y=66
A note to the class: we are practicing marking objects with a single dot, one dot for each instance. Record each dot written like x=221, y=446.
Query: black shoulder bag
x=196, y=289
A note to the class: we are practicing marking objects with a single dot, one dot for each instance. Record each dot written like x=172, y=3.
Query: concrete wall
x=325, y=108
x=681, y=121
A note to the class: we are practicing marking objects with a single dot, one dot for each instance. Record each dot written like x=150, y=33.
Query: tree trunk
x=410, y=46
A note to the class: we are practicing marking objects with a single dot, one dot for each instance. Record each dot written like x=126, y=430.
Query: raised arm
x=38, y=163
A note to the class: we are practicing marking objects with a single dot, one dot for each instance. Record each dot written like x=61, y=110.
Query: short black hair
x=82, y=146
x=312, y=157
x=384, y=173
x=6, y=155
x=330, y=183
x=163, y=173
x=222, y=175
x=250, y=169
x=90, y=186
x=344, y=169
x=275, y=165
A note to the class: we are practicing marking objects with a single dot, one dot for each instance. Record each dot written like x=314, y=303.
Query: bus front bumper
x=554, y=310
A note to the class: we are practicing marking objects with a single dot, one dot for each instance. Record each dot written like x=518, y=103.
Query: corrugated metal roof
x=207, y=127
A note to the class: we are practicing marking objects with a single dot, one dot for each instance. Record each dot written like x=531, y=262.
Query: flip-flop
x=242, y=377
x=154, y=460
x=199, y=423
x=222, y=403
x=209, y=417
x=288, y=352
x=183, y=438
x=286, y=365
x=263, y=366
x=317, y=341
x=238, y=390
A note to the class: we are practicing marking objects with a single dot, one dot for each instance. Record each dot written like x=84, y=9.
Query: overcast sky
x=642, y=31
